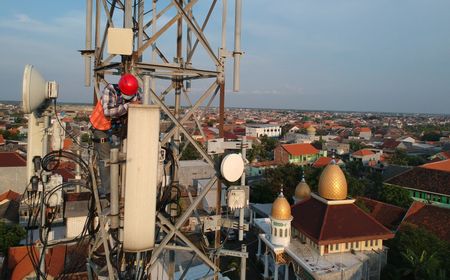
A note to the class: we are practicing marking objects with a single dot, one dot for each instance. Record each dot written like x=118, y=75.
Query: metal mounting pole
x=114, y=199
x=243, y=262
x=42, y=250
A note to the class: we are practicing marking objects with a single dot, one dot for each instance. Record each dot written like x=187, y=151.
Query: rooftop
x=300, y=149
x=363, y=152
x=433, y=218
x=388, y=215
x=425, y=179
x=443, y=165
x=328, y=223
x=11, y=159
x=309, y=257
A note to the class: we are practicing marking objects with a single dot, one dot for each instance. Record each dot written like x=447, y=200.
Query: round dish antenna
x=232, y=167
x=36, y=90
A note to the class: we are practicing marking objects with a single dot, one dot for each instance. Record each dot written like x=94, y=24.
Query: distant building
x=258, y=130
x=324, y=161
x=365, y=133
x=367, y=156
x=425, y=184
x=338, y=148
x=300, y=154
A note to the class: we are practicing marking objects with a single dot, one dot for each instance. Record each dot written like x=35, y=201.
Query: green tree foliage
x=264, y=150
x=431, y=136
x=355, y=146
x=10, y=235
x=400, y=157
x=416, y=253
x=265, y=191
x=396, y=196
x=190, y=153
x=12, y=136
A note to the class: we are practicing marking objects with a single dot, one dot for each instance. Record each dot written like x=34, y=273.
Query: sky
x=355, y=55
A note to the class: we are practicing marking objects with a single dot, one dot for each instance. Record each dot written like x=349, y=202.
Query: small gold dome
x=332, y=183
x=281, y=209
x=302, y=190
x=311, y=128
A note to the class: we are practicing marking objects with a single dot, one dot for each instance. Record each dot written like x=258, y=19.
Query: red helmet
x=128, y=84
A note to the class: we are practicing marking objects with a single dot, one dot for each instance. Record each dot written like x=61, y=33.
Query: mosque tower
x=281, y=221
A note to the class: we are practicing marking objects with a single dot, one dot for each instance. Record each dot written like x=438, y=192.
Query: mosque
x=321, y=236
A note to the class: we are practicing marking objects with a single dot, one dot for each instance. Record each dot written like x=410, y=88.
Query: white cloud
x=65, y=26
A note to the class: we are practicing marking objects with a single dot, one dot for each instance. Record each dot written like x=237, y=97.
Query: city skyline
x=301, y=55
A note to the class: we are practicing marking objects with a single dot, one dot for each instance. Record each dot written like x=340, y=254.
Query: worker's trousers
x=103, y=154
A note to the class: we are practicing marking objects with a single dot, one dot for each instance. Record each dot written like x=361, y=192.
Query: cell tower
x=175, y=48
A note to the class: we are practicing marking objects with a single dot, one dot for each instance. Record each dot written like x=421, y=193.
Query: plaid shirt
x=114, y=105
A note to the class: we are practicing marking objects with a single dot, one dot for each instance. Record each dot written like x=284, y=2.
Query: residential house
x=324, y=161
x=336, y=147
x=301, y=154
x=366, y=156
x=365, y=133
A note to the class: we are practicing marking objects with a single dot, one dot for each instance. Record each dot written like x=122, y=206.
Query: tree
x=399, y=157
x=266, y=190
x=263, y=151
x=416, y=253
x=190, y=153
x=10, y=235
x=355, y=146
x=396, y=196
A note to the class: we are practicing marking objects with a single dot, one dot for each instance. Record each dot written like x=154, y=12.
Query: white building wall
x=74, y=226
x=270, y=131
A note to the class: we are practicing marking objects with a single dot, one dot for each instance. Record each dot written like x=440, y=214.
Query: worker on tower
x=109, y=118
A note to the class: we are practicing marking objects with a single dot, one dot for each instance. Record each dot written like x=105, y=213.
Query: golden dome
x=281, y=209
x=311, y=129
x=302, y=190
x=332, y=183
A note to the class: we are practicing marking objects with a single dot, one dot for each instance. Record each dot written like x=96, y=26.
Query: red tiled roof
x=10, y=195
x=433, y=218
x=425, y=179
x=443, y=165
x=65, y=173
x=300, y=149
x=20, y=265
x=329, y=224
x=388, y=215
x=364, y=129
x=363, y=152
x=390, y=144
x=11, y=159
x=322, y=161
